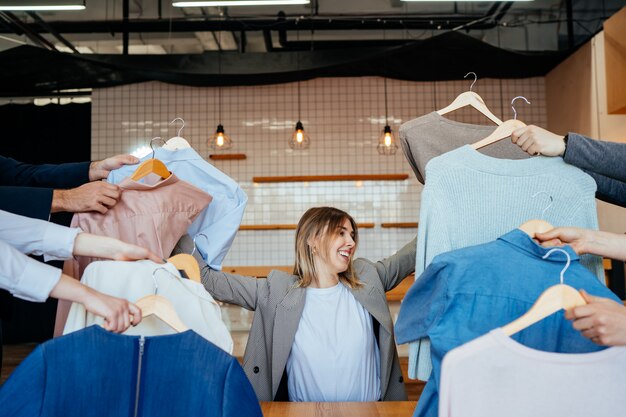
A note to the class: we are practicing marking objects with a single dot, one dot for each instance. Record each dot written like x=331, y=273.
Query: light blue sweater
x=471, y=198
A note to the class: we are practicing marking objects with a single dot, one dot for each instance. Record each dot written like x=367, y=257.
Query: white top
x=134, y=280
x=22, y=276
x=495, y=376
x=334, y=356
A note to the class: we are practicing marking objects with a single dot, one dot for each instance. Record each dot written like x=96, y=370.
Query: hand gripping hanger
x=504, y=130
x=151, y=166
x=177, y=142
x=470, y=98
x=160, y=306
x=550, y=301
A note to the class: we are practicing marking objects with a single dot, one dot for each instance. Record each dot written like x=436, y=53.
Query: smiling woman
x=326, y=239
x=323, y=333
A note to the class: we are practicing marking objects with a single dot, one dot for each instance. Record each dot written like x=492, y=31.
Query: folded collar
x=525, y=243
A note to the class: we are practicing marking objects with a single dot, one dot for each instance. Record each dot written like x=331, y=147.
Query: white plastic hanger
x=470, y=98
x=550, y=301
x=161, y=307
x=151, y=166
x=532, y=227
x=504, y=130
x=177, y=142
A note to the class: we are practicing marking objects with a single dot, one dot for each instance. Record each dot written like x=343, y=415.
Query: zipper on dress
x=142, y=342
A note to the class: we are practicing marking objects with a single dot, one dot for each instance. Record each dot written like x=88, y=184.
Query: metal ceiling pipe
x=248, y=25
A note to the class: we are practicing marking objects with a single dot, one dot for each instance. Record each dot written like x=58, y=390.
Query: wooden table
x=369, y=409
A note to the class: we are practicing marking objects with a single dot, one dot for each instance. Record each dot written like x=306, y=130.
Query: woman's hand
x=537, y=141
x=118, y=313
x=602, y=320
x=87, y=244
x=576, y=237
x=595, y=242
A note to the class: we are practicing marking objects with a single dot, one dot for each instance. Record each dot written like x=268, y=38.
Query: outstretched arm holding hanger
x=38, y=190
x=596, y=242
x=604, y=161
x=31, y=280
x=601, y=320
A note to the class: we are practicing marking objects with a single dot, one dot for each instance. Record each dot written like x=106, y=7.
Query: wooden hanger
x=163, y=309
x=160, y=306
x=470, y=98
x=503, y=131
x=177, y=142
x=532, y=227
x=553, y=299
x=151, y=166
x=188, y=264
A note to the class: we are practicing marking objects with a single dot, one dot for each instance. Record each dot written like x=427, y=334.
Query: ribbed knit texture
x=432, y=135
x=471, y=198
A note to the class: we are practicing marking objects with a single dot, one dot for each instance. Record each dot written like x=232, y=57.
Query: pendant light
x=387, y=144
x=299, y=138
x=220, y=140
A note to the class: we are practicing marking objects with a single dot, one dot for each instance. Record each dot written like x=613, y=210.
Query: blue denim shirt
x=96, y=373
x=466, y=293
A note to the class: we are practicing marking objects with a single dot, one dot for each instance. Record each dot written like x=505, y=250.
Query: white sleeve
x=24, y=277
x=37, y=237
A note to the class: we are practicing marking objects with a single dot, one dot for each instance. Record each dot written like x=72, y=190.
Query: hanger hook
x=513, y=107
x=156, y=285
x=182, y=127
x=569, y=259
x=194, y=241
x=475, y=79
x=543, y=213
x=152, y=147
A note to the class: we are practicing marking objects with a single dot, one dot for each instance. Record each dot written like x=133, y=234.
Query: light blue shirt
x=25, y=277
x=220, y=221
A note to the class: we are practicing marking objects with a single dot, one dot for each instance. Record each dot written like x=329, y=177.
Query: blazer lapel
x=288, y=314
x=370, y=298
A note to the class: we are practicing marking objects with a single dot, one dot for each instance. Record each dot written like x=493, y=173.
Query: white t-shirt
x=495, y=376
x=334, y=356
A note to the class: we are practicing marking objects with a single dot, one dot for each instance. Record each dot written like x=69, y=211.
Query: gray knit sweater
x=604, y=161
x=431, y=135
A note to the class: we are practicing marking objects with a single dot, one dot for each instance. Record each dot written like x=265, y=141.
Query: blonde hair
x=323, y=223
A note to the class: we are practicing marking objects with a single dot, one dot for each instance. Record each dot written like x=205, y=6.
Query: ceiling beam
x=247, y=25
x=51, y=30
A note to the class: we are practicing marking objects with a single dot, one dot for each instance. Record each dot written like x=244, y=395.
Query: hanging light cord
x=219, y=70
x=386, y=113
x=385, y=77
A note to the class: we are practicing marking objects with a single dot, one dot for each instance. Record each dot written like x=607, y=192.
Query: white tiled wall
x=343, y=117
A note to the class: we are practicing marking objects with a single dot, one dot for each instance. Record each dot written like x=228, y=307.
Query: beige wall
x=576, y=95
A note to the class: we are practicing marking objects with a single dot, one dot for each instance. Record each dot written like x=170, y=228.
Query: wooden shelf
x=397, y=294
x=407, y=225
x=290, y=226
x=315, y=178
x=227, y=156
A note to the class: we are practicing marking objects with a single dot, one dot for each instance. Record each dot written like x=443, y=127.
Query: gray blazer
x=278, y=306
